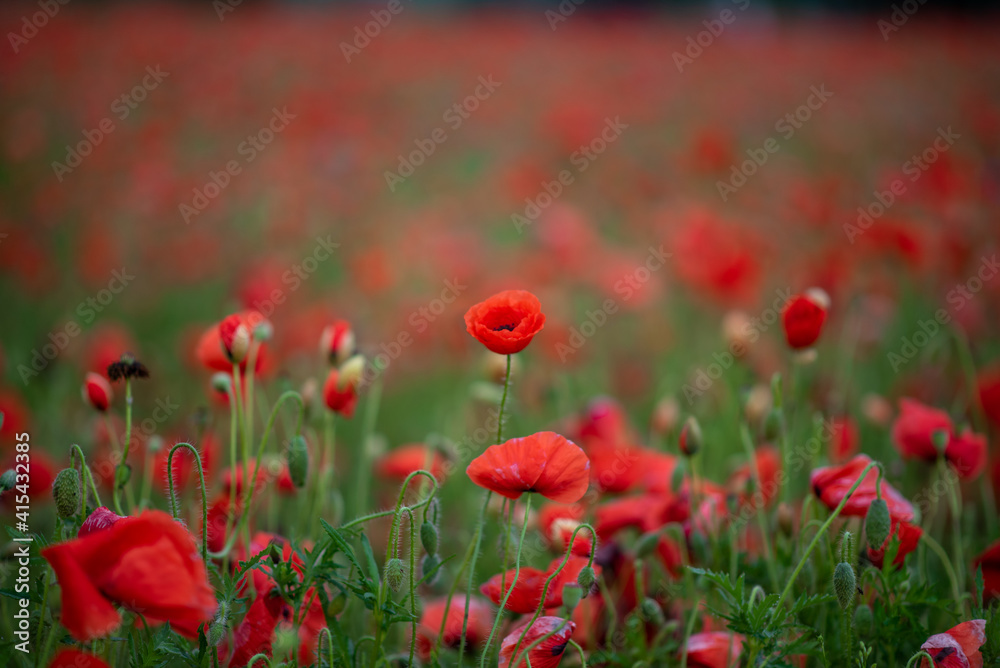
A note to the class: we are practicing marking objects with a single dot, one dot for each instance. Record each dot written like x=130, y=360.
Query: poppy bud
x=665, y=415
x=297, y=458
x=803, y=316
x=940, y=440
x=7, y=480
x=351, y=372
x=222, y=382
x=877, y=524
x=772, y=425
x=123, y=473
x=339, y=398
x=427, y=565
x=154, y=444
x=677, y=477
x=97, y=391
x=586, y=578
x=646, y=544
x=274, y=552
x=218, y=628
x=863, y=619
x=234, y=337
x=263, y=331
x=395, y=572
x=786, y=519
x=571, y=595
x=429, y=537
x=690, y=439
x=66, y=490
x=336, y=343
x=844, y=584
x=652, y=612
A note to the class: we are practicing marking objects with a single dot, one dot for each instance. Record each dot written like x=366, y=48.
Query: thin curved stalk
x=204, y=500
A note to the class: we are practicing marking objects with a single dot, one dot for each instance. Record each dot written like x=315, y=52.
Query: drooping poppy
x=525, y=595
x=149, y=564
x=340, y=395
x=989, y=560
x=435, y=612
x=909, y=537
x=545, y=654
x=958, y=647
x=914, y=429
x=97, y=391
x=802, y=318
x=714, y=649
x=74, y=658
x=545, y=463
x=336, y=343
x=966, y=452
x=830, y=484
x=506, y=322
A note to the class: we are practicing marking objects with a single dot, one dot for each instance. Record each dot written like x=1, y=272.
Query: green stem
x=826, y=525
x=765, y=535
x=470, y=560
x=919, y=655
x=513, y=583
x=583, y=658
x=204, y=500
x=955, y=501
x=956, y=590
x=503, y=402
x=362, y=472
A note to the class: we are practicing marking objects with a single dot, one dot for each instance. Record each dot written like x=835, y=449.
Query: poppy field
x=385, y=335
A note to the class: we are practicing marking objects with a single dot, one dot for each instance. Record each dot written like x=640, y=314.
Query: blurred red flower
x=545, y=654
x=714, y=649
x=989, y=560
x=148, y=564
x=340, y=397
x=802, y=318
x=545, y=463
x=831, y=484
x=74, y=658
x=506, y=322
x=909, y=537
x=404, y=460
x=914, y=429
x=478, y=629
x=524, y=596
x=97, y=390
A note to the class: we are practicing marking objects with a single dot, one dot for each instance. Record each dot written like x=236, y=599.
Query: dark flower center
x=504, y=328
x=945, y=653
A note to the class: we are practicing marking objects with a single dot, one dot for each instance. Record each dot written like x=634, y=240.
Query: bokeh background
x=200, y=80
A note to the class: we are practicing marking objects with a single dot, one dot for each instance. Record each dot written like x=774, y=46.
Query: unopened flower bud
x=336, y=604
x=844, y=584
x=234, y=337
x=222, y=382
x=786, y=519
x=652, y=612
x=863, y=620
x=427, y=566
x=297, y=457
x=7, y=480
x=97, y=392
x=154, y=444
x=123, y=473
x=665, y=416
x=219, y=626
x=571, y=595
x=66, y=490
x=429, y=537
x=337, y=343
x=263, y=331
x=586, y=578
x=677, y=477
x=274, y=552
x=395, y=572
x=940, y=440
x=351, y=372
x=690, y=439
x=878, y=524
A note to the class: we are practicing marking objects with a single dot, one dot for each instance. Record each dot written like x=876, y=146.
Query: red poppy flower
x=506, y=322
x=988, y=385
x=914, y=429
x=615, y=468
x=844, y=439
x=545, y=463
x=768, y=465
x=557, y=523
x=831, y=483
x=401, y=462
x=526, y=594
x=568, y=575
x=478, y=629
x=211, y=350
x=658, y=471
x=803, y=317
x=97, y=390
x=909, y=537
x=958, y=647
x=74, y=658
x=148, y=564
x=990, y=561
x=644, y=513
x=545, y=654
x=234, y=336
x=714, y=649
x=221, y=515
x=340, y=397
x=336, y=343
x=966, y=453
x=604, y=420
x=102, y=518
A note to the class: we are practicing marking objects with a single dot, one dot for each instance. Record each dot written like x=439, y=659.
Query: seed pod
x=652, y=612
x=586, y=578
x=427, y=565
x=219, y=626
x=571, y=595
x=222, y=382
x=844, y=584
x=123, y=473
x=297, y=457
x=772, y=425
x=863, y=620
x=690, y=439
x=429, y=538
x=878, y=524
x=66, y=490
x=395, y=572
x=336, y=604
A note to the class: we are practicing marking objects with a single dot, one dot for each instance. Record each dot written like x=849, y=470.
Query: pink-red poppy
x=958, y=647
x=714, y=649
x=545, y=654
x=506, y=322
x=74, y=658
x=399, y=463
x=830, y=484
x=989, y=560
x=909, y=537
x=545, y=463
x=340, y=394
x=211, y=350
x=97, y=391
x=480, y=623
x=967, y=452
x=148, y=564
x=102, y=518
x=802, y=318
x=914, y=429
x=524, y=596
